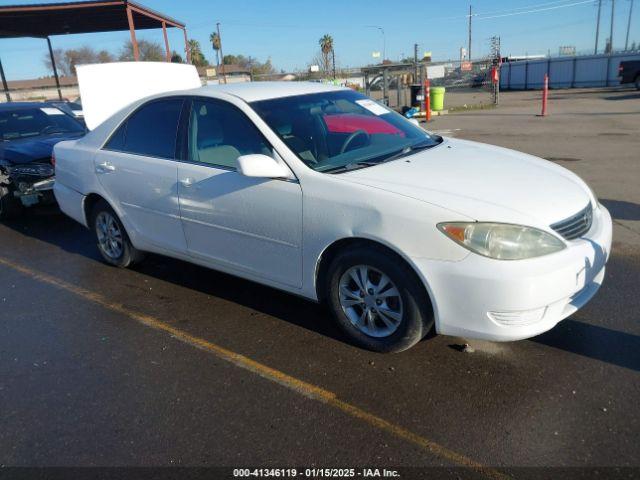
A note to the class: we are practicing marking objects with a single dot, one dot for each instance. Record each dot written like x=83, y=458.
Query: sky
x=287, y=31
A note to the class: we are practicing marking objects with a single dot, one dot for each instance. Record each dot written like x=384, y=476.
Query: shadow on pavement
x=51, y=226
x=599, y=343
x=621, y=210
x=630, y=96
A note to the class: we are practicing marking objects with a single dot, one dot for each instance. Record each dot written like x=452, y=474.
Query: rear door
x=138, y=170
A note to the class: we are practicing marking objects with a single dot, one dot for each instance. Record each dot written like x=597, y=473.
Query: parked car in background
x=322, y=192
x=629, y=72
x=28, y=132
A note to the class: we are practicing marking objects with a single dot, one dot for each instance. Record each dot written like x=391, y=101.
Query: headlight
x=37, y=169
x=502, y=241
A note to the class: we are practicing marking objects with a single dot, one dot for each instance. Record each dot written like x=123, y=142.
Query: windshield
x=341, y=130
x=34, y=121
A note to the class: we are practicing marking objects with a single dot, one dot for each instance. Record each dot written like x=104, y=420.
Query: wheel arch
x=88, y=203
x=330, y=252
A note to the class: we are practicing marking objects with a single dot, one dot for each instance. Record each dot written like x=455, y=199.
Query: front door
x=251, y=225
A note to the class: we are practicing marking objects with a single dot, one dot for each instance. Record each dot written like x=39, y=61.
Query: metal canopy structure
x=46, y=20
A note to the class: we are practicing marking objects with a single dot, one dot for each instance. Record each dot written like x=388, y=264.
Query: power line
x=535, y=10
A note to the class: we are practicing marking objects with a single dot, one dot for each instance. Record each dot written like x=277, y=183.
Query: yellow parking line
x=307, y=389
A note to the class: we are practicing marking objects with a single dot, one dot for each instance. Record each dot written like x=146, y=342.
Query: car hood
x=27, y=150
x=482, y=182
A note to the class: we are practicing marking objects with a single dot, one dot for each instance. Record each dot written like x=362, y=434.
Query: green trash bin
x=437, y=98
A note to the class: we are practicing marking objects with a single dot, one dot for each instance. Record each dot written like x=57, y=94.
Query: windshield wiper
x=349, y=167
x=408, y=150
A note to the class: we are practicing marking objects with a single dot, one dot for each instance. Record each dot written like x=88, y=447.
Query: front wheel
x=377, y=300
x=112, y=239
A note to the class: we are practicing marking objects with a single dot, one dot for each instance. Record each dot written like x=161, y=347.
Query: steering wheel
x=352, y=137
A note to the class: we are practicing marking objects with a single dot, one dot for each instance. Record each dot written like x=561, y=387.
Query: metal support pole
x=132, y=31
x=613, y=11
x=398, y=88
x=595, y=50
x=224, y=73
x=166, y=41
x=427, y=100
x=187, y=50
x=55, y=70
x=385, y=84
x=469, y=49
x=573, y=73
x=421, y=82
x=526, y=75
x=626, y=42
x=5, y=87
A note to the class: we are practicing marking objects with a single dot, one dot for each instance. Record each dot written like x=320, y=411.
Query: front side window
x=151, y=130
x=340, y=130
x=219, y=133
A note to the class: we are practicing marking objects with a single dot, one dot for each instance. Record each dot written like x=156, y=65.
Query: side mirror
x=261, y=166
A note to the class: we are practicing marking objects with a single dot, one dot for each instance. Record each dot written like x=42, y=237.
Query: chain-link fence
x=467, y=84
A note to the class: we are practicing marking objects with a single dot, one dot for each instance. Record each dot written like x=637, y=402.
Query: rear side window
x=151, y=130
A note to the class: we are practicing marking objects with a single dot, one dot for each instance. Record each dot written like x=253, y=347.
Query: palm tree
x=197, y=57
x=326, y=46
x=215, y=43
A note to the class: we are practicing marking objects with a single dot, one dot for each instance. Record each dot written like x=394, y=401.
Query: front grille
x=576, y=225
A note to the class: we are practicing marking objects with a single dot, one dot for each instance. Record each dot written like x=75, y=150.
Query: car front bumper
x=497, y=300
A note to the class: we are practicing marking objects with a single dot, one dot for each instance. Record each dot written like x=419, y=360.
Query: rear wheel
x=377, y=301
x=112, y=239
x=10, y=206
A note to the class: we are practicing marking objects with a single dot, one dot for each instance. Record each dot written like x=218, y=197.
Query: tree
x=197, y=57
x=326, y=48
x=176, y=57
x=149, y=51
x=215, y=43
x=250, y=63
x=66, y=60
x=61, y=65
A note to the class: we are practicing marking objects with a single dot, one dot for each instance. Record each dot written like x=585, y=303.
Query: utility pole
x=613, y=10
x=626, y=42
x=469, y=49
x=224, y=75
x=333, y=61
x=415, y=60
x=595, y=51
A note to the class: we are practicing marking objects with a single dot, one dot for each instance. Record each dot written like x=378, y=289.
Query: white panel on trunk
x=106, y=88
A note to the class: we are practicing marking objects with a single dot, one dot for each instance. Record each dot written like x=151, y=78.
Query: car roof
x=255, y=91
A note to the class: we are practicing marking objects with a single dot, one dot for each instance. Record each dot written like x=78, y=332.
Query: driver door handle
x=105, y=167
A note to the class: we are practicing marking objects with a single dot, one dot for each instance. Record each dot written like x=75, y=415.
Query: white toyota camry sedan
x=324, y=193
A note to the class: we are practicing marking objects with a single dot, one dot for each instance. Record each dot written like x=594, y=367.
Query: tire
x=10, y=206
x=411, y=309
x=111, y=237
